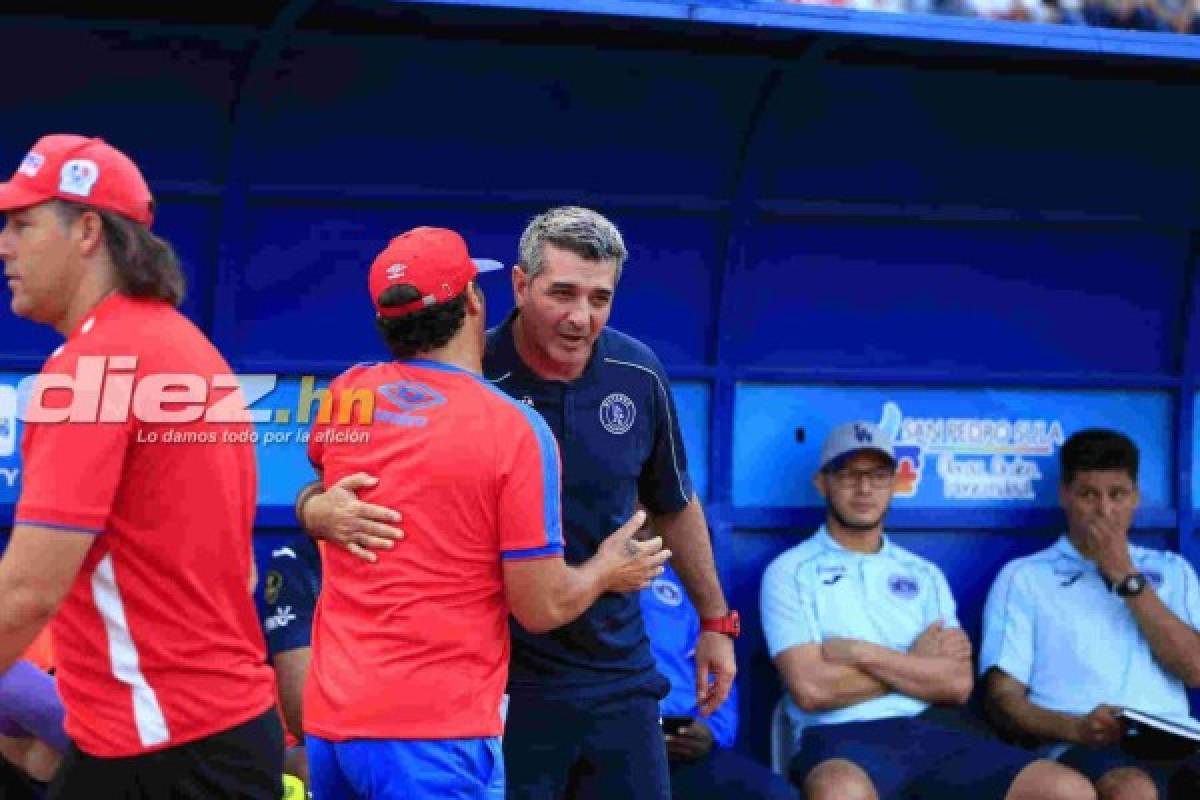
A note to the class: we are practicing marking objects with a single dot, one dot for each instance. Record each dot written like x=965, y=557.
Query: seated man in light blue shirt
x=1093, y=624
x=699, y=749
x=866, y=639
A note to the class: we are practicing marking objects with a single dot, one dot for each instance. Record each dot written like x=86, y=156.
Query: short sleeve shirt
x=619, y=436
x=289, y=584
x=157, y=642
x=416, y=645
x=819, y=590
x=1052, y=623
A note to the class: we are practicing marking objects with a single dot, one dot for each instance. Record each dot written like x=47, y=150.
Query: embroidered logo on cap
x=396, y=271
x=78, y=176
x=32, y=164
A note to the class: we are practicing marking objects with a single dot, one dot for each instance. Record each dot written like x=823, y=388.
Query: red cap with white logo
x=77, y=169
x=434, y=261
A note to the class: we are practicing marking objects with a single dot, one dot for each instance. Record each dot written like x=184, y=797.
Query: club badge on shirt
x=617, y=413
x=903, y=586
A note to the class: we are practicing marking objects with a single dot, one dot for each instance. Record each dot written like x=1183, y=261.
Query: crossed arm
x=843, y=672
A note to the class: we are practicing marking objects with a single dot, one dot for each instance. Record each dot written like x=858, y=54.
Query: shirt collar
x=1064, y=548
x=112, y=303
x=829, y=543
x=440, y=366
x=504, y=349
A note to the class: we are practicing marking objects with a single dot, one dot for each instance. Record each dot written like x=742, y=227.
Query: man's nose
x=578, y=315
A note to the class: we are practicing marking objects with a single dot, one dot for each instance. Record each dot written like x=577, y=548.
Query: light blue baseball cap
x=855, y=437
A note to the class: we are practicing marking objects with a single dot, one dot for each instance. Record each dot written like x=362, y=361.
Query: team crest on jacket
x=617, y=413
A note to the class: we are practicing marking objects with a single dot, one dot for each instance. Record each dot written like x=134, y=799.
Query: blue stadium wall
x=984, y=234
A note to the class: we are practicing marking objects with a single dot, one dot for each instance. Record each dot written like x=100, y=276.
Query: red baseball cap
x=79, y=170
x=432, y=260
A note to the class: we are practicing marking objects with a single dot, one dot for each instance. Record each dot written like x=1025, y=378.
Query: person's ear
x=88, y=232
x=476, y=305
x=520, y=285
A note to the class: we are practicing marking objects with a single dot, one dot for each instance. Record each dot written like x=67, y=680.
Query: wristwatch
x=1131, y=585
x=730, y=624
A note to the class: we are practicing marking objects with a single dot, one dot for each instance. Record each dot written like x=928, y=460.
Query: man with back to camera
x=866, y=639
x=116, y=537
x=410, y=654
x=583, y=716
x=1092, y=624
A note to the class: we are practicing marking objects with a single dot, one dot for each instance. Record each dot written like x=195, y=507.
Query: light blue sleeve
x=947, y=609
x=1186, y=602
x=1008, y=620
x=786, y=603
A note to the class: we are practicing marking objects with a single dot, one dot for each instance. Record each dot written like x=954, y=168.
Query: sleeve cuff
x=549, y=551
x=58, y=526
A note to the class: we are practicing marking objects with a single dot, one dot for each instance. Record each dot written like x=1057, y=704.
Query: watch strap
x=730, y=624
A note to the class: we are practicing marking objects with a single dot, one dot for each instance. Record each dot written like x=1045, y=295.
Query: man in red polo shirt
x=410, y=654
x=133, y=527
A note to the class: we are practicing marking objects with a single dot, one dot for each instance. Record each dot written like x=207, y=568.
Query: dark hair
x=421, y=331
x=146, y=265
x=1097, y=449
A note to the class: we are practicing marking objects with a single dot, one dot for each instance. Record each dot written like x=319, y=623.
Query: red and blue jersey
x=416, y=645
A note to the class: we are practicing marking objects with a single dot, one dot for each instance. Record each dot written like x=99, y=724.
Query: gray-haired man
x=583, y=716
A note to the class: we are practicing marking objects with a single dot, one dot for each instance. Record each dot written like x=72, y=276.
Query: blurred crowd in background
x=1177, y=16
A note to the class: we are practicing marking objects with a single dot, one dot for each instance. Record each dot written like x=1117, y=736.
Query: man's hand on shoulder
x=338, y=516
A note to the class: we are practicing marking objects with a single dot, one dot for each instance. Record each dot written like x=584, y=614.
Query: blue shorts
x=399, y=769
x=916, y=756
